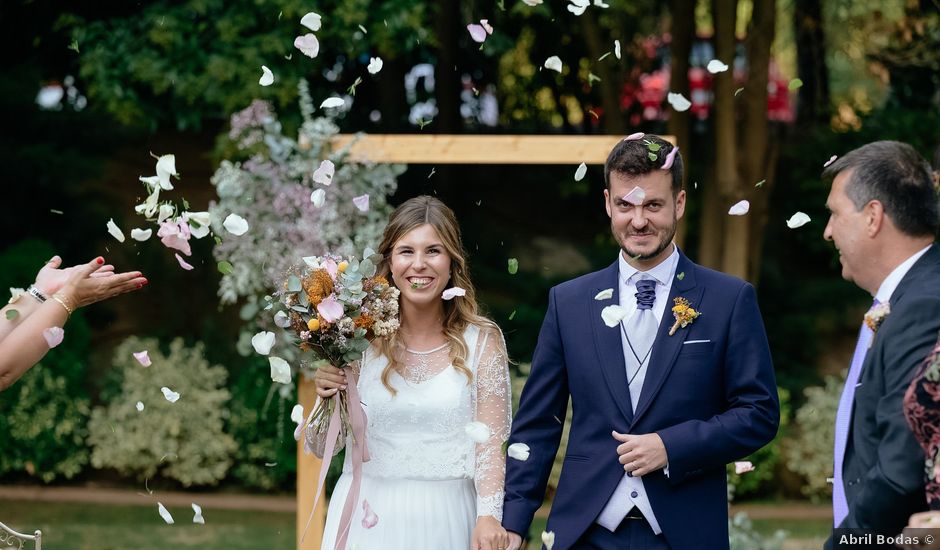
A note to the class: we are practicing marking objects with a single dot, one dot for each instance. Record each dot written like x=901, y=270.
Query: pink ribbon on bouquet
x=360, y=454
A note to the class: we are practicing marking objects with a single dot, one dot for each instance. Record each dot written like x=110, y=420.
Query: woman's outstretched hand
x=93, y=282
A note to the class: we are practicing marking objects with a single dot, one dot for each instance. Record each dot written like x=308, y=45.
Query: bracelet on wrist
x=65, y=301
x=39, y=295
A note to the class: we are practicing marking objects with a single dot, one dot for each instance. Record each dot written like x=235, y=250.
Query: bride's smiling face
x=420, y=265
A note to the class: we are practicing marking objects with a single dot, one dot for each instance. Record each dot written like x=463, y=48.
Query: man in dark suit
x=883, y=221
x=662, y=399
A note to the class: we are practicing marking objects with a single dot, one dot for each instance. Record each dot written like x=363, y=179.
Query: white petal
x=140, y=406
x=166, y=167
x=318, y=197
x=617, y=49
x=199, y=223
x=311, y=21
x=267, y=77
x=297, y=414
x=601, y=4
x=636, y=196
x=519, y=451
x=281, y=319
x=797, y=220
x=263, y=342
x=830, y=161
x=166, y=210
x=743, y=466
x=280, y=370
x=532, y=3
x=324, y=173
x=362, y=203
x=577, y=7
x=308, y=45
x=152, y=181
x=235, y=224
x=604, y=294
x=548, y=539
x=143, y=357
x=478, y=431
x=553, y=63
x=580, y=172
x=53, y=336
x=740, y=208
x=612, y=315
x=164, y=513
x=715, y=67
x=375, y=65
x=485, y=23
x=453, y=292
x=197, y=518
x=170, y=395
x=678, y=102
x=141, y=234
x=115, y=231
x=332, y=103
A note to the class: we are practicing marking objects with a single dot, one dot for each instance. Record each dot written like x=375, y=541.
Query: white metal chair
x=11, y=540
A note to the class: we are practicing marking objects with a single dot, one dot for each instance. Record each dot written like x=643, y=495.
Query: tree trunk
x=813, y=106
x=446, y=76
x=683, y=32
x=610, y=83
x=392, y=98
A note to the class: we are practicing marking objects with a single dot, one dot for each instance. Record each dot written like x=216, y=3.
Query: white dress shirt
x=893, y=279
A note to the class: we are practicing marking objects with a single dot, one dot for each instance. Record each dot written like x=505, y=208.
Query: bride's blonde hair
x=459, y=312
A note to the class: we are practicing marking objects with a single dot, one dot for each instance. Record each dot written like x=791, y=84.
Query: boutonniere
x=684, y=314
x=876, y=315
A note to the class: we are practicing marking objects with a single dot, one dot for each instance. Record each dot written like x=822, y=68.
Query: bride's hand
x=329, y=380
x=489, y=535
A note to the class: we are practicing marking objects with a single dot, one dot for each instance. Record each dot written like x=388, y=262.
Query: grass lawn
x=77, y=526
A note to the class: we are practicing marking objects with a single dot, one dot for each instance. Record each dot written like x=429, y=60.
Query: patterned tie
x=840, y=506
x=641, y=332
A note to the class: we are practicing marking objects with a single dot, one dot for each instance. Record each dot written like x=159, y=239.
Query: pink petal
x=453, y=292
x=637, y=135
x=143, y=358
x=183, y=263
x=477, y=33
x=308, y=44
x=330, y=309
x=362, y=203
x=636, y=196
x=743, y=467
x=177, y=243
x=369, y=519
x=53, y=336
x=830, y=161
x=330, y=266
x=670, y=158
x=485, y=23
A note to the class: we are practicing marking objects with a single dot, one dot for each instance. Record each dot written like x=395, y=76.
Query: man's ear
x=607, y=202
x=875, y=217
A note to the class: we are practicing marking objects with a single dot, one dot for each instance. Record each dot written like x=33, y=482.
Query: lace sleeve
x=492, y=407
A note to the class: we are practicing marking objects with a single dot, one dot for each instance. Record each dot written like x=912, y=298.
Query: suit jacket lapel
x=666, y=348
x=608, y=344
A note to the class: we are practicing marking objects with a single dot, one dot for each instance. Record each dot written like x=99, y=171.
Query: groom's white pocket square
x=687, y=342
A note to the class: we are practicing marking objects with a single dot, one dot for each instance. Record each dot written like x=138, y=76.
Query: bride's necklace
x=420, y=366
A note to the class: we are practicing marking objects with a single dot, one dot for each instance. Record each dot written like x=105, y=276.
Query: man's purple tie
x=840, y=506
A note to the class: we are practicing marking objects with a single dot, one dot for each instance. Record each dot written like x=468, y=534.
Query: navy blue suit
x=711, y=403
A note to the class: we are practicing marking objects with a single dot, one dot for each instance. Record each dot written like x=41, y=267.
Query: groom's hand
x=515, y=541
x=641, y=454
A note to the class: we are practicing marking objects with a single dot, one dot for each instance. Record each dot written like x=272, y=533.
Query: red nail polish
x=100, y=260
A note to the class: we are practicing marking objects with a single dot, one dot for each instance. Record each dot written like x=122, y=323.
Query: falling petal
x=267, y=77
x=795, y=84
x=332, y=103
x=324, y=173
x=532, y=3
x=601, y=4
x=369, y=519
x=164, y=513
x=199, y=223
x=798, y=220
x=477, y=33
x=548, y=539
x=678, y=102
x=617, y=49
x=140, y=406
x=166, y=167
x=740, y=208
x=183, y=263
x=577, y=7
x=670, y=158
x=714, y=66
x=612, y=315
x=830, y=161
x=636, y=196
x=166, y=210
x=281, y=319
x=115, y=231
x=330, y=309
x=318, y=197
x=485, y=23
x=53, y=336
x=519, y=451
x=280, y=370
x=375, y=65
x=197, y=518
x=362, y=203
x=553, y=63
x=141, y=234
x=580, y=172
x=308, y=45
x=170, y=395
x=634, y=136
x=512, y=265
x=311, y=21
x=297, y=414
x=453, y=292
x=604, y=294
x=263, y=342
x=743, y=467
x=235, y=224
x=478, y=431
x=143, y=357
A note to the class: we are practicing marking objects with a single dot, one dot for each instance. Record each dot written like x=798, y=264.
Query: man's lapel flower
x=684, y=314
x=876, y=315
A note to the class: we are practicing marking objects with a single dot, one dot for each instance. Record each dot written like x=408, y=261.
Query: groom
x=659, y=407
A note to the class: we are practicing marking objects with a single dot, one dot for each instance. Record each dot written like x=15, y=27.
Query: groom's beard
x=665, y=240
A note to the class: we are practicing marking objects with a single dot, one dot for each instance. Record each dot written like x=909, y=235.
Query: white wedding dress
x=428, y=480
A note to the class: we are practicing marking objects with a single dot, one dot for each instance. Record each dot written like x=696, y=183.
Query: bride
x=437, y=399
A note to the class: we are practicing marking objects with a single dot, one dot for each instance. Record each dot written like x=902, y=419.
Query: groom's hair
x=897, y=176
x=638, y=157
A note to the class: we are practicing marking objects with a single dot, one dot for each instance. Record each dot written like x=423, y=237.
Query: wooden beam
x=480, y=149
x=308, y=469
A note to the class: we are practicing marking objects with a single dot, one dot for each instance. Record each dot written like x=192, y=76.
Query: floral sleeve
x=922, y=408
x=492, y=407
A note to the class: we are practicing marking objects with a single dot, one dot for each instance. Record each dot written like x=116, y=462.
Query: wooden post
x=308, y=468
